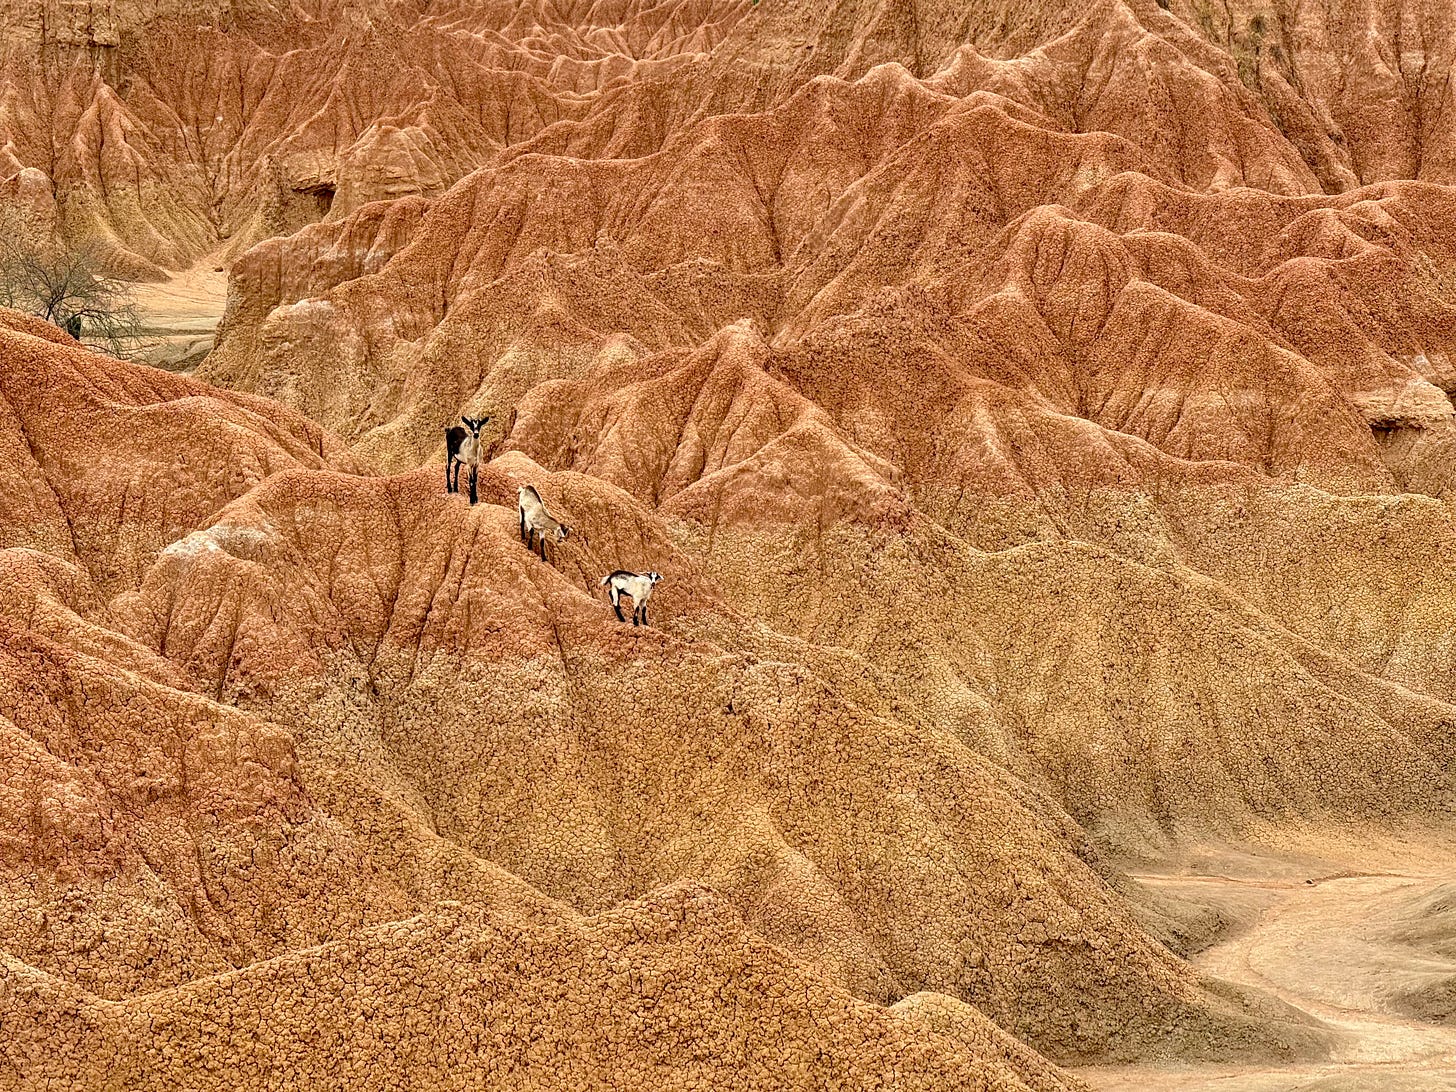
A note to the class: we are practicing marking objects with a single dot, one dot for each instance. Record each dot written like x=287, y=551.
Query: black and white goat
x=536, y=522
x=638, y=585
x=463, y=447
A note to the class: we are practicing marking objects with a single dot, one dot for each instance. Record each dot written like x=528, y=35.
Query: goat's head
x=562, y=531
x=654, y=577
x=474, y=424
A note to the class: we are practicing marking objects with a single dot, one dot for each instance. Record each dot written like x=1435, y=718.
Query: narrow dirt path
x=1325, y=948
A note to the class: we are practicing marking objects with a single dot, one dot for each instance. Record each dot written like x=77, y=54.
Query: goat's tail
x=606, y=580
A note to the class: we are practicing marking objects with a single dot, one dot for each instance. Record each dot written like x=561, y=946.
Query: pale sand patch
x=181, y=315
x=1325, y=944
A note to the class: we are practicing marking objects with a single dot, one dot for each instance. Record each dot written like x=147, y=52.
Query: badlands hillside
x=1041, y=417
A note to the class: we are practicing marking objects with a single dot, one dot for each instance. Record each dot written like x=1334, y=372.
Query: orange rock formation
x=1042, y=421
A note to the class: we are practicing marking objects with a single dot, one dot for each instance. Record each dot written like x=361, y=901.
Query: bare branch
x=74, y=288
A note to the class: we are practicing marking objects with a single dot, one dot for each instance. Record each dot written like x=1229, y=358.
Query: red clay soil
x=1041, y=421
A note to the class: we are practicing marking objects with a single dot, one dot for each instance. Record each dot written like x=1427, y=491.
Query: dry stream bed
x=179, y=317
x=1340, y=948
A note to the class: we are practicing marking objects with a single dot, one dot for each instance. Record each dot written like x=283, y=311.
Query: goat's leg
x=473, y=470
x=524, y=539
x=616, y=604
x=447, y=475
x=645, y=622
x=541, y=543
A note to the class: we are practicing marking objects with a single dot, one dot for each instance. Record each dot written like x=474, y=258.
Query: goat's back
x=530, y=501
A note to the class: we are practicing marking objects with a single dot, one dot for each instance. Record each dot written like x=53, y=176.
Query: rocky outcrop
x=1041, y=421
x=178, y=129
x=270, y=745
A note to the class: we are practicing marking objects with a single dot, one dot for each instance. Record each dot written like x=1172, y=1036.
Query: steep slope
x=1038, y=316
x=181, y=129
x=640, y=759
x=667, y=992
x=376, y=691
x=177, y=850
x=68, y=413
x=1051, y=304
x=187, y=128
x=1042, y=421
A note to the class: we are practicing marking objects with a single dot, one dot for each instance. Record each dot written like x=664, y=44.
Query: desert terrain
x=1041, y=420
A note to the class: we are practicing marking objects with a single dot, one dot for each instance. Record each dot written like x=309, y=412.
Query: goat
x=463, y=447
x=638, y=585
x=536, y=522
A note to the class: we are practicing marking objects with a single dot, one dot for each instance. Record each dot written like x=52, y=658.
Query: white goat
x=536, y=521
x=638, y=585
x=463, y=447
